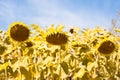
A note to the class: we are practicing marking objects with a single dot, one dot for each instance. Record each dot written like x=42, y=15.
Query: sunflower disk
x=57, y=38
x=19, y=31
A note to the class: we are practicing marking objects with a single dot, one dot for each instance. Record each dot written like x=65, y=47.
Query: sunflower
x=18, y=31
x=55, y=35
x=106, y=46
x=57, y=38
x=29, y=44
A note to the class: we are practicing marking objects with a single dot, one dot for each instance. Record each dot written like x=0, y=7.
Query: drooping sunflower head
x=55, y=35
x=29, y=44
x=57, y=38
x=107, y=47
x=18, y=31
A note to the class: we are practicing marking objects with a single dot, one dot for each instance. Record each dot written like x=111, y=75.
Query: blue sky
x=82, y=13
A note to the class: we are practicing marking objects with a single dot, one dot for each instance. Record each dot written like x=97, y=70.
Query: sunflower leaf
x=64, y=65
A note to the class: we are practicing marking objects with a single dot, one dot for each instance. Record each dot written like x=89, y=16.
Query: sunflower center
x=57, y=38
x=106, y=47
x=19, y=32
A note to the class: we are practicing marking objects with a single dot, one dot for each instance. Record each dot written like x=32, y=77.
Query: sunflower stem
x=6, y=77
x=60, y=62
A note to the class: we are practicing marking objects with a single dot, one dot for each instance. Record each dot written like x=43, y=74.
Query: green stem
x=60, y=62
x=6, y=77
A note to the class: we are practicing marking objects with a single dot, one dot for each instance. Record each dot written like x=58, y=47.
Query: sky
x=81, y=13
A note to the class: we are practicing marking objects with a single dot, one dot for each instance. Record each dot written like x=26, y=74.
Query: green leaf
x=26, y=73
x=62, y=47
x=4, y=66
x=64, y=65
x=2, y=49
x=90, y=65
x=9, y=70
x=15, y=73
x=30, y=51
x=80, y=73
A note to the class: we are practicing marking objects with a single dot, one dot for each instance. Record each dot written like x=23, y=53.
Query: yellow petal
x=4, y=66
x=80, y=73
x=60, y=28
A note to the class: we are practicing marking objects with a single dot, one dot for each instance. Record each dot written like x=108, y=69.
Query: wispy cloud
x=52, y=12
x=47, y=12
x=6, y=14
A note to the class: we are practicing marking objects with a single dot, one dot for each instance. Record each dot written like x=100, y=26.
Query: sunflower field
x=29, y=52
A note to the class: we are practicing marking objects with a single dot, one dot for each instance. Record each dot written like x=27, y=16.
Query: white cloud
x=47, y=12
x=52, y=12
x=6, y=14
x=6, y=10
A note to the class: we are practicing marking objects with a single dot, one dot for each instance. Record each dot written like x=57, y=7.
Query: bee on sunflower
x=18, y=31
x=107, y=47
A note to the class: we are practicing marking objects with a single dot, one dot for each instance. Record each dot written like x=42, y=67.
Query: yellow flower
x=18, y=31
x=107, y=46
x=55, y=36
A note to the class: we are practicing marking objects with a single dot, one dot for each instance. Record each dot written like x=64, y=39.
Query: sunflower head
x=106, y=47
x=57, y=38
x=18, y=31
x=29, y=44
